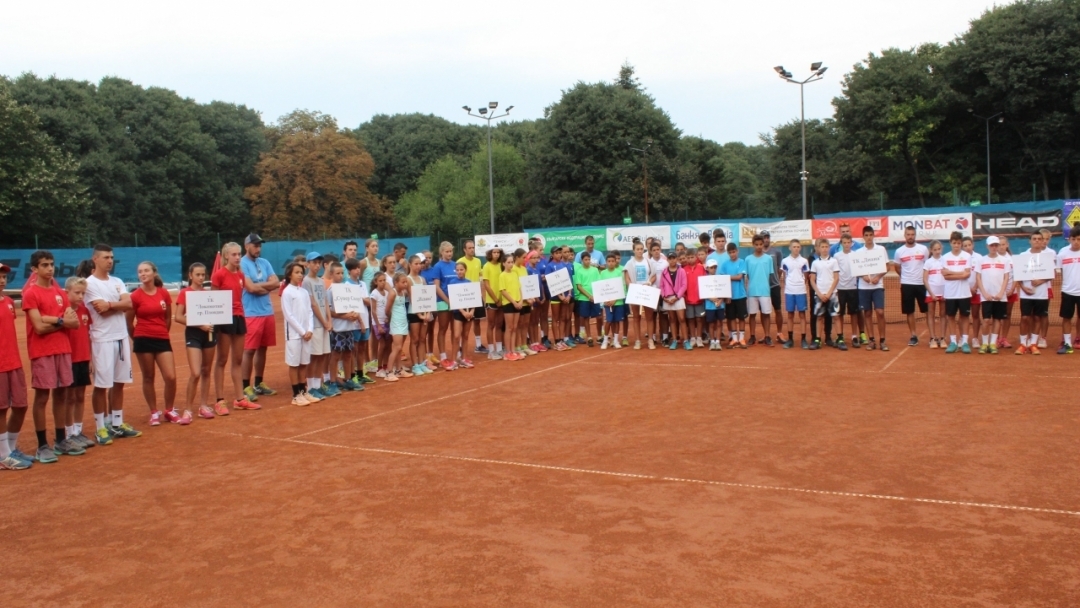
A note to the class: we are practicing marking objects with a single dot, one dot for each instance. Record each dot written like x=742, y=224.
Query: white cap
x=422, y=257
x=992, y=240
x=710, y=263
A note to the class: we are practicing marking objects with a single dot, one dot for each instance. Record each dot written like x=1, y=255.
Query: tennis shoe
x=14, y=464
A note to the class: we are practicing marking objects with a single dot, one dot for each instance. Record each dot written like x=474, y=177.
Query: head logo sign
x=1010, y=223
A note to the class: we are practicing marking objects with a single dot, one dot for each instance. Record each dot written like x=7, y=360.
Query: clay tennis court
x=591, y=478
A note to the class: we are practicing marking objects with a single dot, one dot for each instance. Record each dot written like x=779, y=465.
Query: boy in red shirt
x=695, y=306
x=79, y=338
x=12, y=378
x=47, y=315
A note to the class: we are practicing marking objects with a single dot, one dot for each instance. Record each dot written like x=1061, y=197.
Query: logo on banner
x=962, y=223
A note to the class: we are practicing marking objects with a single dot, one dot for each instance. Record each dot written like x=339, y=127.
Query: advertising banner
x=570, y=237
x=622, y=238
x=780, y=232
x=687, y=234
x=1070, y=214
x=507, y=242
x=830, y=228
x=929, y=227
x=1015, y=223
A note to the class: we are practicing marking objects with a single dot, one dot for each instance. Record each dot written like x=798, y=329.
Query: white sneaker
x=974, y=343
x=618, y=344
x=637, y=344
x=309, y=397
x=603, y=345
x=652, y=344
x=700, y=343
x=300, y=401
x=381, y=373
x=1042, y=342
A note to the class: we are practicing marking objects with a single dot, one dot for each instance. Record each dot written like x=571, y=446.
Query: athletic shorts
x=261, y=333
x=831, y=307
x=679, y=304
x=197, y=338
x=1014, y=296
x=795, y=302
x=526, y=309
x=238, y=327
x=695, y=311
x=588, y=310
x=997, y=310
x=910, y=295
x=413, y=319
x=976, y=299
x=871, y=299
x=736, y=309
x=933, y=298
x=51, y=371
x=112, y=362
x=774, y=297
x=1034, y=308
x=1069, y=305
x=849, y=301
x=714, y=315
x=320, y=341
x=762, y=304
x=151, y=345
x=492, y=307
x=298, y=352
x=615, y=314
x=341, y=341
x=458, y=316
x=13, y=389
x=510, y=309
x=361, y=335
x=479, y=313
x=80, y=374
x=957, y=305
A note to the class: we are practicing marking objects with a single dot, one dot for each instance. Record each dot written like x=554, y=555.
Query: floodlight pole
x=489, y=116
x=816, y=76
x=987, y=120
x=645, y=172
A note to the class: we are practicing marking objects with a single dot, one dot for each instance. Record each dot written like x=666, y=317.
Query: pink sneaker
x=172, y=416
x=155, y=418
x=447, y=365
x=205, y=411
x=185, y=418
x=465, y=363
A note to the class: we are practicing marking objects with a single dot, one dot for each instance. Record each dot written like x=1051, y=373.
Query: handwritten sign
x=608, y=290
x=714, y=286
x=1032, y=266
x=465, y=295
x=530, y=286
x=559, y=282
x=422, y=299
x=638, y=294
x=865, y=262
x=347, y=298
x=208, y=308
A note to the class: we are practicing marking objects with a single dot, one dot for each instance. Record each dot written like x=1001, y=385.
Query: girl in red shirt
x=201, y=342
x=230, y=338
x=151, y=307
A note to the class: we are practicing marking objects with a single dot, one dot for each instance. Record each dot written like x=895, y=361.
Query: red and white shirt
x=9, y=342
x=934, y=279
x=911, y=260
x=49, y=301
x=995, y=272
x=956, y=289
x=1069, y=263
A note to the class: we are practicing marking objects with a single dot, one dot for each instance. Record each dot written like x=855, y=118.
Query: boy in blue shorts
x=584, y=276
x=872, y=298
x=793, y=271
x=714, y=311
x=342, y=325
x=735, y=311
x=360, y=336
x=614, y=312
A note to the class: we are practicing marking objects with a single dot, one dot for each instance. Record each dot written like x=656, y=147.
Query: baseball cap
x=764, y=233
x=993, y=240
x=312, y=256
x=423, y=258
x=253, y=239
x=710, y=263
x=4, y=268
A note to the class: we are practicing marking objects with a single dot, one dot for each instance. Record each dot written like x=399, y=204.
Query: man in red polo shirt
x=12, y=378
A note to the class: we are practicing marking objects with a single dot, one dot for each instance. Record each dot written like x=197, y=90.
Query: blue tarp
x=167, y=260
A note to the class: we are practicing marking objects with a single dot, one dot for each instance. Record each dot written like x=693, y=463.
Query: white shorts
x=320, y=342
x=679, y=304
x=297, y=352
x=762, y=304
x=112, y=362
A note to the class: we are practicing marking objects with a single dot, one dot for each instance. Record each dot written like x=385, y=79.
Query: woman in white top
x=299, y=325
x=639, y=271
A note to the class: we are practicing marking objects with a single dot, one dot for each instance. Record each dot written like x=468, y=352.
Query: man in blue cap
x=259, y=282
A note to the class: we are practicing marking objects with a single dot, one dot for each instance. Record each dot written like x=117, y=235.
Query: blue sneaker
x=353, y=385
x=788, y=344
x=366, y=379
x=952, y=348
x=688, y=345
x=19, y=455
x=330, y=389
x=317, y=393
x=674, y=345
x=966, y=348
x=481, y=350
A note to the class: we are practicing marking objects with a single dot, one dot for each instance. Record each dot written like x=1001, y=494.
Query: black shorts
x=955, y=305
x=526, y=309
x=1034, y=308
x=151, y=345
x=238, y=327
x=910, y=295
x=490, y=306
x=456, y=314
x=1069, y=305
x=714, y=315
x=413, y=319
x=80, y=374
x=197, y=338
x=774, y=293
x=849, y=301
x=479, y=313
x=995, y=310
x=736, y=309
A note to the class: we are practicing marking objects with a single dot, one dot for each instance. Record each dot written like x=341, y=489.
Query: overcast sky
x=708, y=64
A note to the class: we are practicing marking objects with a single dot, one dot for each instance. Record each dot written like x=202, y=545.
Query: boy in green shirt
x=614, y=311
x=584, y=277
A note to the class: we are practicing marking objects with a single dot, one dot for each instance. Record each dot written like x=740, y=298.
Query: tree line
x=114, y=161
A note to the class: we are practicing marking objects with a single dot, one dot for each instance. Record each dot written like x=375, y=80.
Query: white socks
x=99, y=421
x=117, y=417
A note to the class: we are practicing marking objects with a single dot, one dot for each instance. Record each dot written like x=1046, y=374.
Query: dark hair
x=289, y=270
x=329, y=259
x=845, y=236
x=519, y=252
x=335, y=265
x=489, y=254
x=908, y=227
x=192, y=268
x=467, y=241
x=586, y=254
x=758, y=239
x=611, y=255
x=955, y=236
x=398, y=246
x=462, y=264
x=352, y=264
x=555, y=248
x=84, y=269
x=101, y=247
x=347, y=243
x=703, y=237
x=590, y=238
x=157, y=277
x=732, y=247
x=38, y=256
x=870, y=230
x=719, y=232
x=375, y=278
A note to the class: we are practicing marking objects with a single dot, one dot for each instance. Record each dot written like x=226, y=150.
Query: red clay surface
x=594, y=478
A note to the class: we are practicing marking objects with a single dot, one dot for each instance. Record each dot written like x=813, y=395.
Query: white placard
x=530, y=286
x=559, y=282
x=865, y=262
x=1032, y=266
x=348, y=298
x=422, y=299
x=608, y=290
x=208, y=308
x=638, y=294
x=507, y=242
x=712, y=286
x=465, y=295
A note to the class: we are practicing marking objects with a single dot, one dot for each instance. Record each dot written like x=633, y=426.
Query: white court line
x=465, y=392
x=727, y=484
x=900, y=354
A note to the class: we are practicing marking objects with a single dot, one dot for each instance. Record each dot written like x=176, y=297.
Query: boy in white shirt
x=847, y=294
x=976, y=300
x=1068, y=264
x=1034, y=304
x=992, y=280
x=956, y=270
x=793, y=270
x=824, y=277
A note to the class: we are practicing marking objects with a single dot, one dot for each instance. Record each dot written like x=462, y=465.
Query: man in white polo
x=908, y=260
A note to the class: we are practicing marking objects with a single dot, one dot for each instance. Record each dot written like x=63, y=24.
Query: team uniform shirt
x=658, y=266
x=258, y=270
x=1069, y=263
x=972, y=285
x=339, y=325
x=864, y=284
x=225, y=280
x=639, y=273
x=443, y=272
x=959, y=262
x=995, y=272
x=491, y=274
x=613, y=274
x=934, y=279
x=446, y=286
x=9, y=349
x=105, y=328
x=1042, y=292
x=733, y=268
x=847, y=280
x=554, y=267
x=150, y=311
x=823, y=270
x=510, y=282
x=911, y=260
x=78, y=338
x=585, y=277
x=760, y=271
x=296, y=308
x=49, y=301
x=473, y=268
x=795, y=269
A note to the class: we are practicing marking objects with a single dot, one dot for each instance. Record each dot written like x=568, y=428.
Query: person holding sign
x=463, y=319
x=510, y=294
x=714, y=311
x=299, y=328
x=396, y=303
x=562, y=303
x=442, y=273
x=539, y=316
x=1068, y=264
x=872, y=298
x=992, y=280
x=342, y=325
x=956, y=270
x=526, y=309
x=638, y=271
x=200, y=342
x=418, y=322
x=231, y=337
x=1034, y=302
x=152, y=307
x=493, y=302
x=614, y=311
x=584, y=277
x=735, y=311
x=673, y=292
